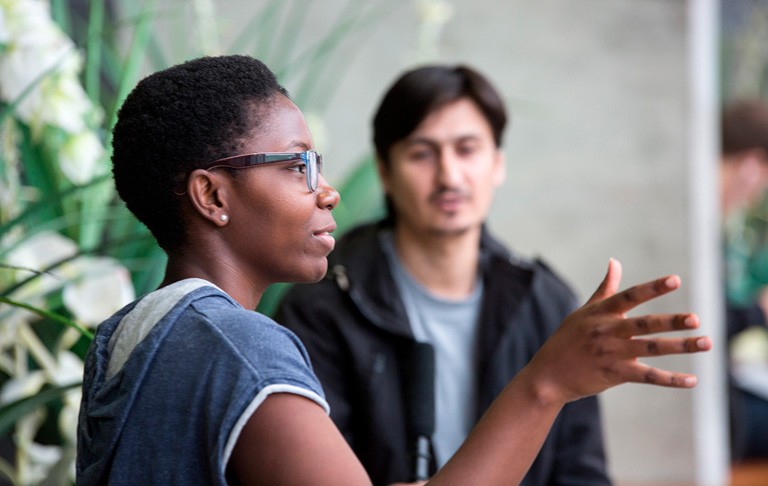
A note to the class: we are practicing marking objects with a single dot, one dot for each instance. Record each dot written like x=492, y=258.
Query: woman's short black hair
x=176, y=120
x=421, y=91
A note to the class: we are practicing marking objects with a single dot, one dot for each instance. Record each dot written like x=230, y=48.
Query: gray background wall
x=600, y=164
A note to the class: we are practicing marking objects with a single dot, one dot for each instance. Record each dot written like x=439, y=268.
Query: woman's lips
x=326, y=238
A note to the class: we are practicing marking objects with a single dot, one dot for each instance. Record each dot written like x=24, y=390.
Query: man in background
x=432, y=273
x=743, y=180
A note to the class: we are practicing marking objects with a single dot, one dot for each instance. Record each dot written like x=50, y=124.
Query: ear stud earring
x=224, y=218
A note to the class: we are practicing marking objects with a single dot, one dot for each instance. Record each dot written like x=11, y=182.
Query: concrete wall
x=600, y=158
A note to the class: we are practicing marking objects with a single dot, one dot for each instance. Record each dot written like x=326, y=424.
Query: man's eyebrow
x=431, y=141
x=420, y=140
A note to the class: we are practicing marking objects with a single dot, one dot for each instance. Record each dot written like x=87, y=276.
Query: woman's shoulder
x=219, y=311
x=251, y=333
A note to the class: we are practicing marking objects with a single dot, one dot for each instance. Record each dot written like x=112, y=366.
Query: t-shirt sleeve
x=184, y=391
x=266, y=358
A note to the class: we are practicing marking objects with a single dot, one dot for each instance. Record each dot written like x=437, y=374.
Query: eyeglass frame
x=313, y=163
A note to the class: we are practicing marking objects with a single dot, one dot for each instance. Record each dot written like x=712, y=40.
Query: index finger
x=638, y=294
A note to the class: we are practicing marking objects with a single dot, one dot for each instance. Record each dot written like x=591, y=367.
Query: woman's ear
x=207, y=192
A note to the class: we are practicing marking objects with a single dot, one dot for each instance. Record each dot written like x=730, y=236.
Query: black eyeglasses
x=313, y=163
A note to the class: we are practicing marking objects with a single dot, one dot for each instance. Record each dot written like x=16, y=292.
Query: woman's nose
x=327, y=196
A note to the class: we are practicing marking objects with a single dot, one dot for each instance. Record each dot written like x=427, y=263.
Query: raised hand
x=597, y=346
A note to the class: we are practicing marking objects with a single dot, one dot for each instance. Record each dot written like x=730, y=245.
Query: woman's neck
x=219, y=272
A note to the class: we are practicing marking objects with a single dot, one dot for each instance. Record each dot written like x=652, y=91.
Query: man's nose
x=448, y=168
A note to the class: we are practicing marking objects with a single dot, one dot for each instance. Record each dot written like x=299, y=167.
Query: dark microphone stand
x=421, y=407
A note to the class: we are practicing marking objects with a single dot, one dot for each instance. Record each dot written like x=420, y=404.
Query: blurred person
x=431, y=272
x=743, y=181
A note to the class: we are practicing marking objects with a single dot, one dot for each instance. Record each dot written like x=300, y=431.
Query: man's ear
x=208, y=192
x=383, y=171
x=500, y=168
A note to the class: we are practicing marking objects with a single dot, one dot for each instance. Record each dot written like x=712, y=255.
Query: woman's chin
x=313, y=274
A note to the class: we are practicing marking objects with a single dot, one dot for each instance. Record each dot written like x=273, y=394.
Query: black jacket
x=357, y=333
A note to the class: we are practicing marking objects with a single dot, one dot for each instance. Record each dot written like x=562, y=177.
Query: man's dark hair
x=745, y=127
x=175, y=121
x=421, y=91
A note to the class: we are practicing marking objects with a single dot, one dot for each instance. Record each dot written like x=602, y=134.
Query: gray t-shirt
x=171, y=380
x=450, y=325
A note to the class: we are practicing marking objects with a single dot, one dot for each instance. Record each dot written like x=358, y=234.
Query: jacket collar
x=359, y=267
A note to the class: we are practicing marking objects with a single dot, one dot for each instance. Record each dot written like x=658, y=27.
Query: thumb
x=610, y=283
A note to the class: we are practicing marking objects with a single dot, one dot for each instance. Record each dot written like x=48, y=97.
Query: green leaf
x=132, y=62
x=93, y=50
x=260, y=30
x=270, y=299
x=316, y=60
x=285, y=41
x=60, y=14
x=12, y=412
x=37, y=214
x=361, y=196
x=49, y=315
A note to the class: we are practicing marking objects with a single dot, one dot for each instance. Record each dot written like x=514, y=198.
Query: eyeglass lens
x=314, y=163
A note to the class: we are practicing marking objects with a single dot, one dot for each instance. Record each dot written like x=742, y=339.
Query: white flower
x=69, y=414
x=40, y=67
x=94, y=288
x=41, y=459
x=33, y=255
x=4, y=34
x=80, y=157
x=102, y=287
x=435, y=12
x=66, y=104
x=22, y=386
x=433, y=15
x=68, y=370
x=34, y=45
x=38, y=253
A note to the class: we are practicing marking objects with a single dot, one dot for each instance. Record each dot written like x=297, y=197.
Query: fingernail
x=702, y=343
x=690, y=321
x=690, y=381
x=672, y=281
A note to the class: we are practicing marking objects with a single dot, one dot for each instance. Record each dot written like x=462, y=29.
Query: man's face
x=441, y=178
